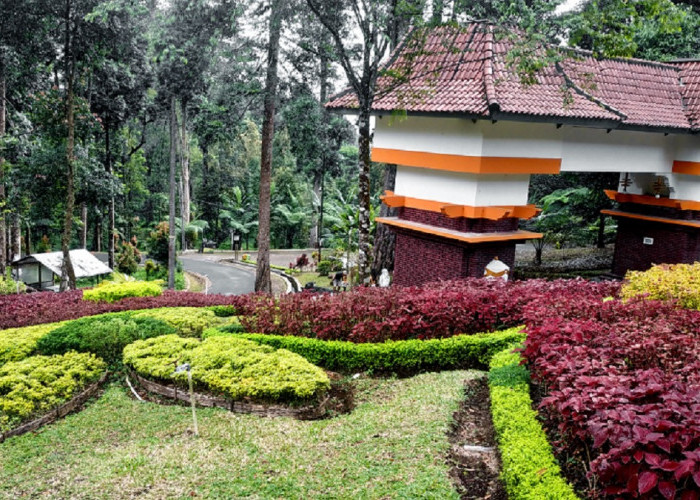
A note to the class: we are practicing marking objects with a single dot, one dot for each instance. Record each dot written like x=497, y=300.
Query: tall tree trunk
x=84, y=229
x=28, y=240
x=363, y=195
x=185, y=170
x=320, y=177
x=97, y=237
x=3, y=241
x=171, y=218
x=111, y=210
x=16, y=237
x=601, y=232
x=263, y=282
x=67, y=271
x=384, y=238
x=314, y=229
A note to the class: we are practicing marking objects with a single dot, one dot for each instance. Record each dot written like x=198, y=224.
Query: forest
x=149, y=123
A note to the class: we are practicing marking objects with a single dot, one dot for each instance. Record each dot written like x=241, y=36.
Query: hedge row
x=35, y=385
x=112, y=292
x=529, y=468
x=237, y=368
x=18, y=343
x=402, y=357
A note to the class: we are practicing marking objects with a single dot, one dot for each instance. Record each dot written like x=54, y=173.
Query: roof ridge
x=633, y=60
x=579, y=90
x=491, y=97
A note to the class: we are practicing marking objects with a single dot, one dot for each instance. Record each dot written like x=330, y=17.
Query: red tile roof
x=464, y=71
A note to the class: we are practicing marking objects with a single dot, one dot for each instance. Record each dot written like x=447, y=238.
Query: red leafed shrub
x=623, y=380
x=433, y=311
x=48, y=307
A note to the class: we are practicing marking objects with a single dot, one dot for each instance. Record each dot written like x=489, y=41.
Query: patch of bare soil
x=474, y=460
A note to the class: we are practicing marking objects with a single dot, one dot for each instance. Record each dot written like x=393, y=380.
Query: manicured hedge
x=402, y=357
x=623, y=385
x=105, y=335
x=188, y=321
x=112, y=292
x=236, y=368
x=19, y=343
x=529, y=469
x=35, y=385
x=679, y=282
x=49, y=307
x=437, y=310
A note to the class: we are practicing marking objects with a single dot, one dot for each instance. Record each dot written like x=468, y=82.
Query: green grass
x=306, y=277
x=393, y=445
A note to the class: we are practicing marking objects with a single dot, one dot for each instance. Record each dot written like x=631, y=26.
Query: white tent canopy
x=37, y=269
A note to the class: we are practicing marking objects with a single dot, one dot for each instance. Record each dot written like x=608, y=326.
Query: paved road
x=226, y=279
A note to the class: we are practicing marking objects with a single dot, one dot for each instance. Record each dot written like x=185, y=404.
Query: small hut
x=38, y=270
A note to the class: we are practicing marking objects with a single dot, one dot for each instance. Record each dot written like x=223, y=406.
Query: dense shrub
x=112, y=292
x=529, y=470
x=403, y=357
x=35, y=385
x=188, y=321
x=434, y=311
x=104, y=335
x=128, y=258
x=679, y=282
x=236, y=368
x=623, y=381
x=46, y=307
x=8, y=286
x=19, y=343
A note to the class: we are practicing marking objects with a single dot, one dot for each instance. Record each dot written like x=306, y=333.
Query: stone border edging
x=309, y=412
x=58, y=412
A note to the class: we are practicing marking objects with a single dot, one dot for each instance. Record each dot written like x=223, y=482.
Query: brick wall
x=420, y=259
x=458, y=223
x=672, y=244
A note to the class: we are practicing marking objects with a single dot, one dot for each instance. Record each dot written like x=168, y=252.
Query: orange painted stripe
x=468, y=164
x=643, y=199
x=468, y=211
x=651, y=218
x=459, y=236
x=686, y=167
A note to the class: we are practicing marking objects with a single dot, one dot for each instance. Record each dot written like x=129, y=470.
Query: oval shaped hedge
x=236, y=368
x=112, y=292
x=35, y=385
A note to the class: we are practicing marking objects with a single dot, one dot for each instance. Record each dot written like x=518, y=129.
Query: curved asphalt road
x=226, y=279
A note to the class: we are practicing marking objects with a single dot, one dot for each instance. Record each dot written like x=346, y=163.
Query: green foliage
x=324, y=267
x=529, y=471
x=403, y=357
x=104, y=335
x=679, y=282
x=9, y=286
x=35, y=385
x=19, y=343
x=127, y=260
x=188, y=321
x=238, y=368
x=158, y=243
x=111, y=292
x=223, y=311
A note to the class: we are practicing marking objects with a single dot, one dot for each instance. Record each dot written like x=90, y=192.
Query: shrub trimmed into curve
x=529, y=469
x=35, y=385
x=403, y=357
x=18, y=343
x=237, y=368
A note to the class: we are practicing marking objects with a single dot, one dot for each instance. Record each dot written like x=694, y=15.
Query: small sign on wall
x=648, y=241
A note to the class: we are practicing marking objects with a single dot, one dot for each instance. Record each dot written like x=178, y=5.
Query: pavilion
x=38, y=269
x=471, y=133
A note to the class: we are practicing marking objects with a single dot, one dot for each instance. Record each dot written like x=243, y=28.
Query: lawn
x=393, y=445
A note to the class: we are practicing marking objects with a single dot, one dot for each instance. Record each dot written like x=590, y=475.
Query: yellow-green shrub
x=111, y=292
x=237, y=368
x=188, y=321
x=35, y=385
x=18, y=343
x=665, y=282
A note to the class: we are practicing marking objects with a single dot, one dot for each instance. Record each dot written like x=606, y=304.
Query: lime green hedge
x=665, y=282
x=402, y=357
x=105, y=335
x=188, y=321
x=236, y=368
x=529, y=468
x=18, y=343
x=111, y=292
x=35, y=385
